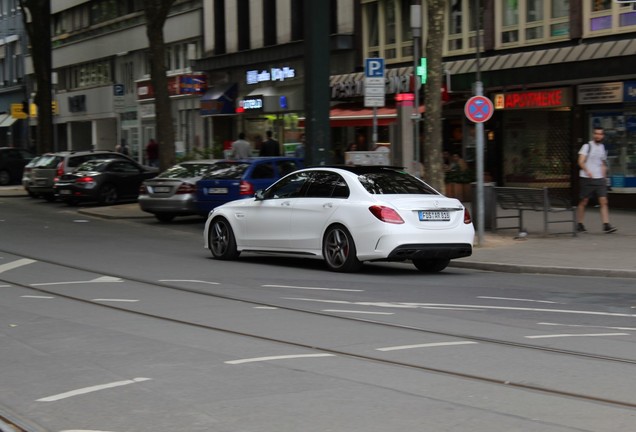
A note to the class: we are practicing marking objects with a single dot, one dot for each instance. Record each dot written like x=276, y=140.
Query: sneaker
x=581, y=228
x=607, y=228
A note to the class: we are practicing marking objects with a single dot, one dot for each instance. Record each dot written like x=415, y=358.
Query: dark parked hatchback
x=105, y=181
x=12, y=162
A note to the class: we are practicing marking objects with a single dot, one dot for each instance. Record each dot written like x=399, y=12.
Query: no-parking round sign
x=479, y=109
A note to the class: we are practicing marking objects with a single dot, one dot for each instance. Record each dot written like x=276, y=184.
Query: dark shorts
x=593, y=188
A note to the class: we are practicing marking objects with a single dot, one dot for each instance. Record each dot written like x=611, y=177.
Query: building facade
x=554, y=69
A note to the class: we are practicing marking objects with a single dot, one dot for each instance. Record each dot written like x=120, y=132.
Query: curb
x=565, y=271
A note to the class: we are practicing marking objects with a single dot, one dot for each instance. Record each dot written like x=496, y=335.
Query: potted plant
x=458, y=184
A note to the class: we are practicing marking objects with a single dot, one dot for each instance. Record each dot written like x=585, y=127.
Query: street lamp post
x=416, y=29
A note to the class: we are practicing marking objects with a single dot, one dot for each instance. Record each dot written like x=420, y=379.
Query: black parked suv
x=52, y=165
x=12, y=162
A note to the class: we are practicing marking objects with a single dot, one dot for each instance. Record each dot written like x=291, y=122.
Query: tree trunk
x=156, y=14
x=433, y=166
x=37, y=21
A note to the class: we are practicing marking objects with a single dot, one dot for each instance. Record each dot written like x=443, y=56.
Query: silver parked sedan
x=173, y=192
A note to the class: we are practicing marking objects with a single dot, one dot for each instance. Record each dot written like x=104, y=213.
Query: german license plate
x=216, y=191
x=430, y=215
x=65, y=192
x=162, y=189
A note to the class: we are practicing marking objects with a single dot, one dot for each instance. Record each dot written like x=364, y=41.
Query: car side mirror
x=260, y=195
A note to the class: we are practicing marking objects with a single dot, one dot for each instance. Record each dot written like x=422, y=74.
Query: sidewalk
x=589, y=254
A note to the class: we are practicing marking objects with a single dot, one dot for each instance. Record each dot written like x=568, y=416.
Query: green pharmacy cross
x=421, y=70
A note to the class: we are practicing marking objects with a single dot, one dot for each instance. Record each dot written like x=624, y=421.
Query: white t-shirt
x=596, y=157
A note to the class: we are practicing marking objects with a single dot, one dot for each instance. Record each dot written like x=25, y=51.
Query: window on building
x=243, y=16
x=602, y=17
x=269, y=22
x=460, y=33
x=297, y=23
x=387, y=30
x=220, y=42
x=528, y=22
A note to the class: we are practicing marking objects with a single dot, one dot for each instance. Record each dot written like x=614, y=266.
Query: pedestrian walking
x=593, y=171
x=122, y=148
x=152, y=153
x=241, y=148
x=270, y=146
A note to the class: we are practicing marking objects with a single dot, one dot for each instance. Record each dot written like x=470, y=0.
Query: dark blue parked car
x=239, y=179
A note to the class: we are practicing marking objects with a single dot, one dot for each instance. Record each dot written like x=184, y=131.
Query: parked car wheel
x=431, y=265
x=108, y=195
x=5, y=178
x=164, y=217
x=339, y=250
x=222, y=240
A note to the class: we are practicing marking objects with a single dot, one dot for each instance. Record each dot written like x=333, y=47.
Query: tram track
x=338, y=352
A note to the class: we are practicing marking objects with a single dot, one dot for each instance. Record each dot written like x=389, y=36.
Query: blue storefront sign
x=629, y=91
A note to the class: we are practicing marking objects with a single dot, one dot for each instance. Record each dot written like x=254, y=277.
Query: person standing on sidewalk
x=270, y=147
x=241, y=148
x=593, y=163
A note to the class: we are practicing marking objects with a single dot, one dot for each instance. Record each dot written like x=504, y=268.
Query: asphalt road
x=129, y=325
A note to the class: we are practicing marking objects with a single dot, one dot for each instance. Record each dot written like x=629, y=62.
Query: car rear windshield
x=186, y=171
x=393, y=182
x=48, y=161
x=227, y=171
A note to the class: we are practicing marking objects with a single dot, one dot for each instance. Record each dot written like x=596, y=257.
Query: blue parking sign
x=374, y=68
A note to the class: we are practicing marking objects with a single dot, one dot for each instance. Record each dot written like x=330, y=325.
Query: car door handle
x=327, y=205
x=285, y=203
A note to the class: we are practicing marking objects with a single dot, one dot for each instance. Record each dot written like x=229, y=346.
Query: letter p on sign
x=374, y=68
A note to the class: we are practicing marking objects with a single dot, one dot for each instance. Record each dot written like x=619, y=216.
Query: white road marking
x=5, y=286
x=589, y=326
x=91, y=389
x=311, y=288
x=115, y=300
x=15, y=264
x=81, y=220
x=82, y=430
x=102, y=279
x=426, y=345
x=282, y=357
x=425, y=305
x=37, y=297
x=265, y=307
x=517, y=299
x=451, y=308
x=358, y=312
x=189, y=280
x=575, y=335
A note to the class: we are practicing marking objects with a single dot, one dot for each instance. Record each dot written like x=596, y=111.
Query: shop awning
x=6, y=120
x=219, y=100
x=355, y=114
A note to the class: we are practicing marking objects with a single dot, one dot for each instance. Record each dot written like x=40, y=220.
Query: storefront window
x=537, y=148
x=620, y=144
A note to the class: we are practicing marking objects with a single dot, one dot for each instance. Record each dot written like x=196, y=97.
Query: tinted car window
x=123, y=167
x=393, y=182
x=288, y=187
x=263, y=171
x=323, y=185
x=92, y=165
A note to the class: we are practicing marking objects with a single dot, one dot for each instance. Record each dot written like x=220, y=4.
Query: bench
x=555, y=204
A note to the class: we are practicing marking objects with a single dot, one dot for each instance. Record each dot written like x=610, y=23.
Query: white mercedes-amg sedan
x=345, y=215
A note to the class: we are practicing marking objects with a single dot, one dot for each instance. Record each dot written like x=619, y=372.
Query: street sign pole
x=479, y=147
x=374, y=92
